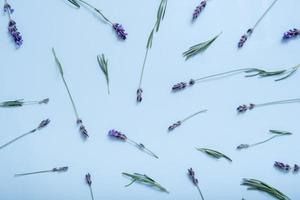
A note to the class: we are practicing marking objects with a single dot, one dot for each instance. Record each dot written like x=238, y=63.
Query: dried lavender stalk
x=160, y=16
x=249, y=32
x=89, y=182
x=59, y=169
x=292, y=33
x=243, y=108
x=286, y=167
x=120, y=136
x=12, y=26
x=191, y=174
x=42, y=124
x=276, y=132
x=249, y=72
x=21, y=102
x=79, y=123
x=118, y=28
x=199, y=9
x=178, y=123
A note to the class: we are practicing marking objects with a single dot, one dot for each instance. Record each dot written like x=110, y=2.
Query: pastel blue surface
x=78, y=36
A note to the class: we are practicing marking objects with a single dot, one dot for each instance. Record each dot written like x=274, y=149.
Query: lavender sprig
x=89, y=182
x=120, y=136
x=249, y=72
x=143, y=178
x=214, y=153
x=254, y=184
x=41, y=125
x=191, y=174
x=103, y=64
x=79, y=123
x=249, y=32
x=56, y=169
x=276, y=132
x=12, y=26
x=199, y=48
x=118, y=28
x=160, y=16
x=292, y=33
x=178, y=123
x=21, y=102
x=286, y=167
x=199, y=9
x=243, y=108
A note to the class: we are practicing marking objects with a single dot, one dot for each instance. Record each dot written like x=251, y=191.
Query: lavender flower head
x=116, y=134
x=43, y=123
x=286, y=167
x=199, y=9
x=292, y=33
x=139, y=93
x=88, y=179
x=244, y=108
x=191, y=174
x=12, y=26
x=175, y=125
x=244, y=38
x=82, y=128
x=120, y=31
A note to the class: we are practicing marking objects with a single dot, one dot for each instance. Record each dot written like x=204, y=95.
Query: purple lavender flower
x=199, y=9
x=244, y=108
x=179, y=86
x=296, y=168
x=116, y=134
x=82, y=128
x=191, y=173
x=292, y=33
x=139, y=93
x=88, y=179
x=244, y=38
x=173, y=126
x=282, y=166
x=12, y=26
x=120, y=31
x=7, y=8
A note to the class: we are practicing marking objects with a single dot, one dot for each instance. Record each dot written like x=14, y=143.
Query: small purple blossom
x=88, y=179
x=244, y=108
x=173, y=126
x=292, y=33
x=116, y=134
x=296, y=168
x=120, y=31
x=286, y=167
x=199, y=9
x=245, y=37
x=139, y=93
x=7, y=8
x=82, y=128
x=179, y=86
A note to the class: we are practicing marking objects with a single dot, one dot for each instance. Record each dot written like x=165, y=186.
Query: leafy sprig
x=143, y=178
x=159, y=17
x=254, y=184
x=214, y=153
x=21, y=102
x=199, y=48
x=276, y=132
x=103, y=64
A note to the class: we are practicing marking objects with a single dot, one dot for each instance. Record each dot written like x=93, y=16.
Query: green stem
x=17, y=138
x=91, y=191
x=200, y=192
x=264, y=141
x=187, y=118
x=224, y=73
x=278, y=102
x=143, y=68
x=142, y=147
x=264, y=14
x=38, y=172
x=96, y=10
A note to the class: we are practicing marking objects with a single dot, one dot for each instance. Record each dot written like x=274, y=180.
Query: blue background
x=78, y=36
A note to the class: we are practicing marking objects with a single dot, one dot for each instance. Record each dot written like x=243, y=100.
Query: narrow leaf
x=75, y=3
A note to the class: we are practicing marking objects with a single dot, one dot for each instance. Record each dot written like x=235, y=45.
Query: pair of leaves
x=143, y=178
x=103, y=64
x=214, y=153
x=254, y=184
x=263, y=73
x=199, y=48
x=160, y=16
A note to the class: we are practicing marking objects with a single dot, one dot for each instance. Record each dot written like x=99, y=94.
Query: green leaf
x=103, y=64
x=254, y=184
x=199, y=48
x=58, y=62
x=75, y=3
x=143, y=178
x=280, y=132
x=15, y=103
x=214, y=153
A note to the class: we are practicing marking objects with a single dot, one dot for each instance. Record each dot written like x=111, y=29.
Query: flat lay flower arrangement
x=185, y=123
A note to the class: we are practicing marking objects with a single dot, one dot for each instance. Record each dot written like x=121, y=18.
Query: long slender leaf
x=214, y=153
x=75, y=3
